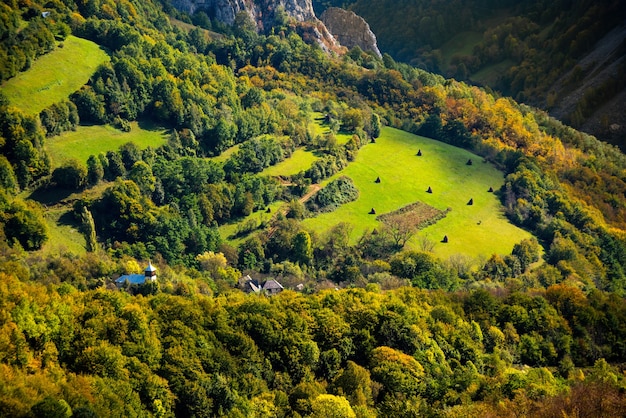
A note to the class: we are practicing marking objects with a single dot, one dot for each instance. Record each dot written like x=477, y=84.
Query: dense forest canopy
x=376, y=328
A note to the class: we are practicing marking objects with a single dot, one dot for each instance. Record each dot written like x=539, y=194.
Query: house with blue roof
x=149, y=275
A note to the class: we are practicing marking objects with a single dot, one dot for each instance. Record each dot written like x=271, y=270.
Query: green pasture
x=228, y=231
x=489, y=75
x=54, y=76
x=317, y=127
x=92, y=140
x=300, y=160
x=461, y=44
x=226, y=154
x=63, y=233
x=477, y=230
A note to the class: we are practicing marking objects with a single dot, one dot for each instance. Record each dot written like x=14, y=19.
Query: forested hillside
x=566, y=57
x=377, y=326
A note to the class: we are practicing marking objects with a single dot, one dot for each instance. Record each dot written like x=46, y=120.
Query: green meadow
x=226, y=154
x=63, y=233
x=461, y=44
x=92, y=140
x=55, y=76
x=490, y=73
x=477, y=230
x=228, y=231
x=300, y=160
x=317, y=127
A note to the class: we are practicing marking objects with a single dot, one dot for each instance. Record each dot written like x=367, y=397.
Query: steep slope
x=350, y=29
x=265, y=14
x=566, y=57
x=591, y=95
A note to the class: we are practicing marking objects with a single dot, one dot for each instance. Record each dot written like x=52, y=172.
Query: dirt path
x=313, y=188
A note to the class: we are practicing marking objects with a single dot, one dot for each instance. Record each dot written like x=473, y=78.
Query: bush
x=71, y=175
x=336, y=193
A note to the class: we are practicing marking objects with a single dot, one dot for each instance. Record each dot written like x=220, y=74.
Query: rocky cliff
x=264, y=13
x=350, y=29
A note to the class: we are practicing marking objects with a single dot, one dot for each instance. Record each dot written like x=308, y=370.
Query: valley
x=214, y=209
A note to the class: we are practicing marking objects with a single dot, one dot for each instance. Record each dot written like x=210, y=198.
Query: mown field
x=405, y=178
x=300, y=160
x=92, y=140
x=55, y=76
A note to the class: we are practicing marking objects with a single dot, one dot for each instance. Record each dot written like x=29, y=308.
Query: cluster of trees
x=356, y=352
x=336, y=193
x=59, y=117
x=22, y=145
x=25, y=35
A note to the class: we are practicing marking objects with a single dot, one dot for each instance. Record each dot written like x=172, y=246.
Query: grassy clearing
x=54, y=76
x=226, y=154
x=489, y=75
x=405, y=178
x=228, y=231
x=317, y=127
x=300, y=160
x=63, y=233
x=63, y=230
x=461, y=44
x=92, y=140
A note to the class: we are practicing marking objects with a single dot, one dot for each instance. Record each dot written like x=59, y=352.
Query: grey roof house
x=250, y=285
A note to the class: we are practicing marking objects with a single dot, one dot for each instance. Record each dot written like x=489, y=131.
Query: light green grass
x=92, y=140
x=226, y=154
x=300, y=160
x=317, y=127
x=62, y=236
x=489, y=75
x=54, y=76
x=461, y=44
x=227, y=230
x=405, y=178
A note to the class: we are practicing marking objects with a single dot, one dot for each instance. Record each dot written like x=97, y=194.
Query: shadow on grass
x=50, y=195
x=149, y=125
x=68, y=219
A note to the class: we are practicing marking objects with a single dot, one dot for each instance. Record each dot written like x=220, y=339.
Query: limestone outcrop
x=350, y=29
x=264, y=14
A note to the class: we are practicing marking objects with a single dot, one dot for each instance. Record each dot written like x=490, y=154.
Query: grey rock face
x=350, y=29
x=262, y=12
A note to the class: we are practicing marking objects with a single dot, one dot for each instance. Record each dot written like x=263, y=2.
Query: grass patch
x=318, y=127
x=54, y=76
x=92, y=140
x=63, y=233
x=228, y=232
x=461, y=44
x=300, y=160
x=226, y=154
x=405, y=178
x=488, y=76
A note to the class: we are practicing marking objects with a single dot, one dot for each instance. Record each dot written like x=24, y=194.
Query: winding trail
x=313, y=188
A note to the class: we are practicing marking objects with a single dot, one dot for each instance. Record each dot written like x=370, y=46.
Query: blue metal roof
x=131, y=278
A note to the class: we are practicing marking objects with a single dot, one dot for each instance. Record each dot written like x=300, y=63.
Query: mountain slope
x=530, y=47
x=370, y=328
